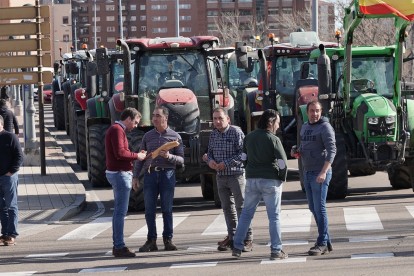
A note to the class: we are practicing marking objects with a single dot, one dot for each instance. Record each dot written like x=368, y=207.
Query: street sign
x=15, y=13
x=20, y=45
x=24, y=78
x=24, y=61
x=27, y=28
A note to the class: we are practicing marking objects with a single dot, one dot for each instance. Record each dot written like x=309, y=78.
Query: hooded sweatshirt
x=317, y=144
x=10, y=121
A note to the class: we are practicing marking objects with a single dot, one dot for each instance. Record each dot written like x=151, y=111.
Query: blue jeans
x=8, y=205
x=271, y=191
x=159, y=183
x=316, y=194
x=121, y=184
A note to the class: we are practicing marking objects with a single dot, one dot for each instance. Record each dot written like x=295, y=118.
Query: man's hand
x=164, y=153
x=321, y=177
x=135, y=184
x=205, y=157
x=9, y=174
x=221, y=166
x=17, y=134
x=212, y=164
x=141, y=156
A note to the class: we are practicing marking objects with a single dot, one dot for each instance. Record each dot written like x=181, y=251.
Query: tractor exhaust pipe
x=324, y=80
x=127, y=67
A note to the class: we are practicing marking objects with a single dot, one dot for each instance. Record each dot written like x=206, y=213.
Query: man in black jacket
x=5, y=93
x=10, y=162
x=9, y=118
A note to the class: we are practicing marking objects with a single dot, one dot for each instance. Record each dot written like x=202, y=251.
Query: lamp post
x=121, y=26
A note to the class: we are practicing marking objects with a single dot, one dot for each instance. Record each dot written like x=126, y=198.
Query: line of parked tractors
x=360, y=88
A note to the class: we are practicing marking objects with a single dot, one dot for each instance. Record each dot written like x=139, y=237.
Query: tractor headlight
x=390, y=119
x=373, y=120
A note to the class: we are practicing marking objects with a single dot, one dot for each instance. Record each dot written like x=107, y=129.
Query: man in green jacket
x=266, y=170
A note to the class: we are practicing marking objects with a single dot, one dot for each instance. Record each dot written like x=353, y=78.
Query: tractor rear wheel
x=136, y=199
x=338, y=186
x=59, y=111
x=207, y=190
x=362, y=171
x=402, y=176
x=97, y=154
x=81, y=140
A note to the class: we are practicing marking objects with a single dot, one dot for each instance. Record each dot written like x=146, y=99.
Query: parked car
x=47, y=93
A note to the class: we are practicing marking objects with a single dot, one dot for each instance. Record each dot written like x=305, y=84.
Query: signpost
x=38, y=60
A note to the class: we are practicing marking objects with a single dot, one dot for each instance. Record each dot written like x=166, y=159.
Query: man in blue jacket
x=317, y=151
x=10, y=162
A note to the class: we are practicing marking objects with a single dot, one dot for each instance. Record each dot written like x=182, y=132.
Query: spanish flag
x=401, y=8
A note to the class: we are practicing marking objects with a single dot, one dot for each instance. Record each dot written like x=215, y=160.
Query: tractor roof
x=356, y=51
x=173, y=43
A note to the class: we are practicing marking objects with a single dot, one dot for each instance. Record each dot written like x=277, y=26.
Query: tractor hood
x=372, y=105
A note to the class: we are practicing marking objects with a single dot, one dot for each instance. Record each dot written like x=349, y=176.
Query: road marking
x=297, y=220
x=294, y=200
x=288, y=260
x=90, y=230
x=21, y=273
x=108, y=269
x=191, y=265
x=362, y=219
x=108, y=253
x=47, y=255
x=367, y=256
x=202, y=247
x=142, y=233
x=368, y=239
x=411, y=210
x=217, y=227
x=291, y=243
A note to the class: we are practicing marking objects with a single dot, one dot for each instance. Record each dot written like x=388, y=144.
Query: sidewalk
x=56, y=196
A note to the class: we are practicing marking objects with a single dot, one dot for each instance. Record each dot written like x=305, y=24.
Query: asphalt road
x=371, y=231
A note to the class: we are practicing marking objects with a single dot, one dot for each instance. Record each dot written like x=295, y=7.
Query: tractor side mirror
x=73, y=68
x=91, y=69
x=304, y=71
x=241, y=55
x=56, y=67
x=250, y=66
x=102, y=62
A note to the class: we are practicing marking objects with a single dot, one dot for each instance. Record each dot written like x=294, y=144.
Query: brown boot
x=10, y=241
x=124, y=252
x=169, y=245
x=150, y=245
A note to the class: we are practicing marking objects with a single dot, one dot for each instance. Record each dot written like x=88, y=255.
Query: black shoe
x=330, y=247
x=229, y=245
x=278, y=256
x=150, y=245
x=169, y=245
x=236, y=252
x=248, y=246
x=124, y=252
x=318, y=250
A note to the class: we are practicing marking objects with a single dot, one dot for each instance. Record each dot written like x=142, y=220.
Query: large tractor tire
x=402, y=176
x=361, y=171
x=134, y=139
x=136, y=199
x=81, y=140
x=207, y=183
x=338, y=186
x=59, y=111
x=97, y=155
x=300, y=167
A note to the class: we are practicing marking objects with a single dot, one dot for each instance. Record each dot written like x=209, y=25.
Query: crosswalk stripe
x=191, y=265
x=288, y=260
x=202, y=247
x=21, y=273
x=90, y=230
x=47, y=255
x=362, y=219
x=291, y=243
x=367, y=256
x=296, y=220
x=142, y=233
x=217, y=227
x=368, y=239
x=106, y=269
x=411, y=210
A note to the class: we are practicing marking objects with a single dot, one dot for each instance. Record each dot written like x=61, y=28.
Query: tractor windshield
x=117, y=70
x=369, y=75
x=284, y=77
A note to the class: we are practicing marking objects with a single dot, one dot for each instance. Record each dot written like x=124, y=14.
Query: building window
x=110, y=39
x=84, y=30
x=143, y=17
x=226, y=1
x=98, y=39
x=143, y=28
x=65, y=20
x=211, y=27
x=133, y=7
x=65, y=38
x=142, y=7
x=133, y=28
x=123, y=18
x=98, y=7
x=245, y=0
x=227, y=13
x=110, y=29
x=85, y=39
x=75, y=8
x=110, y=7
x=158, y=7
x=245, y=13
x=159, y=18
x=287, y=10
x=83, y=8
x=98, y=18
x=84, y=19
x=123, y=8
x=212, y=13
x=98, y=29
x=185, y=29
x=273, y=11
x=110, y=18
x=184, y=7
x=185, y=18
x=274, y=26
x=133, y=18
x=159, y=30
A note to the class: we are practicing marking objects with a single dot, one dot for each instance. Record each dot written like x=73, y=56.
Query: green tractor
x=360, y=92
